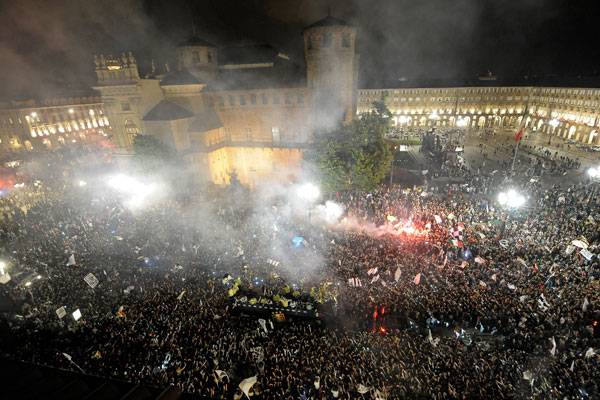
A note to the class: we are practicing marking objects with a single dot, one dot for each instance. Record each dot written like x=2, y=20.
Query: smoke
x=47, y=47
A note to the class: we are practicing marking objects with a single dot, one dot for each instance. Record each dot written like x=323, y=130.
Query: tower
x=331, y=67
x=199, y=57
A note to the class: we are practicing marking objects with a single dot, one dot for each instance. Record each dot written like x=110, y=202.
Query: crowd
x=434, y=292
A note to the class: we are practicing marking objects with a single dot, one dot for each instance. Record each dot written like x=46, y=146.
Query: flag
x=263, y=324
x=590, y=353
x=372, y=271
x=519, y=135
x=362, y=389
x=247, y=384
x=511, y=286
x=553, y=349
x=479, y=260
x=417, y=278
x=585, y=304
x=221, y=374
x=438, y=219
x=181, y=295
x=335, y=393
x=91, y=280
x=375, y=279
x=397, y=274
x=587, y=254
x=61, y=312
x=71, y=260
x=482, y=284
x=355, y=282
x=317, y=382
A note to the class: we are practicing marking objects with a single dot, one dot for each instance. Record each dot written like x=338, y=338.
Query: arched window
x=131, y=128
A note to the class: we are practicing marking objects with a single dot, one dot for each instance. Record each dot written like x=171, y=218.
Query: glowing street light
x=434, y=115
x=594, y=172
x=511, y=199
x=403, y=119
x=461, y=122
x=554, y=122
x=309, y=192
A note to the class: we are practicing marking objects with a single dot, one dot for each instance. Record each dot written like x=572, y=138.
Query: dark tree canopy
x=356, y=155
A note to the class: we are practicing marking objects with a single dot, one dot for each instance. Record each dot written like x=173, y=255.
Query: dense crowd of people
x=434, y=292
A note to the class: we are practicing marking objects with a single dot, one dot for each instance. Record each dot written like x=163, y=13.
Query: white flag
x=317, y=382
x=590, y=353
x=221, y=374
x=553, y=349
x=397, y=274
x=372, y=271
x=585, y=304
x=71, y=260
x=5, y=278
x=181, y=295
x=362, y=389
x=375, y=279
x=587, y=254
x=61, y=312
x=511, y=286
x=438, y=219
x=479, y=260
x=417, y=278
x=247, y=384
x=91, y=280
x=263, y=324
x=76, y=315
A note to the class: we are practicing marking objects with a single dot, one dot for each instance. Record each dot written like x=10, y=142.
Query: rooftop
x=328, y=21
x=167, y=111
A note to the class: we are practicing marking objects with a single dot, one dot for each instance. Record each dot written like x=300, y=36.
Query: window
x=253, y=99
x=209, y=56
x=327, y=39
x=125, y=106
x=196, y=57
x=275, y=99
x=346, y=40
x=221, y=101
x=288, y=99
x=248, y=133
x=242, y=100
x=231, y=100
x=300, y=98
x=275, y=133
x=265, y=99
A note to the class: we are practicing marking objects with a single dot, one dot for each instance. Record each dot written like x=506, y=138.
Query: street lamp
x=594, y=172
x=511, y=199
x=308, y=192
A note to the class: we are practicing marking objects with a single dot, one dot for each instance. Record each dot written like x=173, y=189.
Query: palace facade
x=251, y=110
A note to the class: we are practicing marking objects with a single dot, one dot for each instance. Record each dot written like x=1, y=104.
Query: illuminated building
x=570, y=113
x=246, y=109
x=51, y=123
x=252, y=110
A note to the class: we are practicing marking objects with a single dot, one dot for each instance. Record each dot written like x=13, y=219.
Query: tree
x=148, y=148
x=356, y=155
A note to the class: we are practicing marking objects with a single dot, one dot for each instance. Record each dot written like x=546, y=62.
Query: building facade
x=570, y=113
x=38, y=125
x=252, y=111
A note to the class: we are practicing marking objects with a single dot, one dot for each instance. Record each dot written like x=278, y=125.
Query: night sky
x=47, y=44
